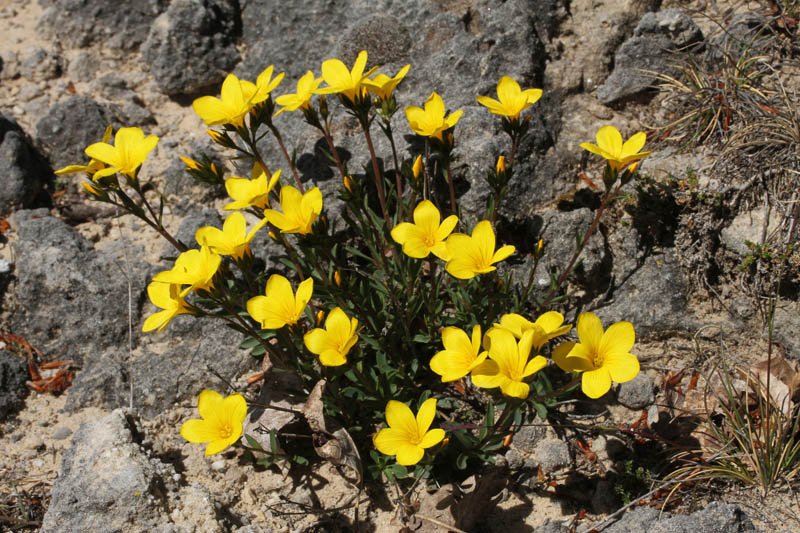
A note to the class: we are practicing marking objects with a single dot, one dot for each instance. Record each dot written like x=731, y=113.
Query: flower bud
x=337, y=278
x=320, y=316
x=348, y=184
x=190, y=163
x=501, y=165
x=417, y=168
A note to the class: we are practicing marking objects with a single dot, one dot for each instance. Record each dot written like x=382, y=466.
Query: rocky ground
x=106, y=455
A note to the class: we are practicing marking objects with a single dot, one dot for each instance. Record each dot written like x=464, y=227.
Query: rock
x=106, y=482
x=61, y=433
x=82, y=67
x=652, y=48
x=71, y=301
x=81, y=23
x=552, y=455
x=716, y=517
x=166, y=368
x=39, y=64
x=652, y=296
x=639, y=519
x=493, y=34
x=637, y=393
x=786, y=324
x=748, y=226
x=559, y=230
x=23, y=171
x=13, y=390
x=191, y=46
x=70, y=126
x=526, y=439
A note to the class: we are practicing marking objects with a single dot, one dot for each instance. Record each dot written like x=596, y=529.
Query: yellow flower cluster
x=502, y=359
x=466, y=256
x=505, y=357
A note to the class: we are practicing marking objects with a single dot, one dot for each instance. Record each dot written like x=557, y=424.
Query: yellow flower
x=236, y=98
x=126, y=155
x=508, y=364
x=547, y=326
x=426, y=235
x=280, y=306
x=618, y=154
x=431, y=122
x=221, y=421
x=306, y=86
x=408, y=436
x=340, y=80
x=511, y=100
x=383, y=86
x=460, y=355
x=250, y=192
x=300, y=211
x=233, y=239
x=195, y=268
x=333, y=343
x=264, y=85
x=165, y=296
x=93, y=166
x=473, y=255
x=601, y=356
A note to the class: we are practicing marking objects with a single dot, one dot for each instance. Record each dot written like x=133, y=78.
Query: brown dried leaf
x=331, y=441
x=784, y=381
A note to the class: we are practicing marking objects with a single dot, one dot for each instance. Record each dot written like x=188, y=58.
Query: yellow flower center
x=429, y=240
x=597, y=360
x=225, y=430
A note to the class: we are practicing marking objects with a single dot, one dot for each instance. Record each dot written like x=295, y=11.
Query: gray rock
x=82, y=67
x=786, y=324
x=652, y=296
x=716, y=517
x=70, y=126
x=39, y=64
x=23, y=171
x=748, y=226
x=552, y=454
x=637, y=393
x=70, y=300
x=551, y=526
x=526, y=439
x=80, y=23
x=652, y=48
x=191, y=46
x=61, y=433
x=106, y=482
x=559, y=230
x=13, y=375
x=639, y=519
x=459, y=51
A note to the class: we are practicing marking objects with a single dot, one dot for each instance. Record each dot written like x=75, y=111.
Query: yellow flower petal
x=595, y=383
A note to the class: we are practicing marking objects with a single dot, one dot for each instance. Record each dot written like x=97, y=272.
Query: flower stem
x=450, y=185
x=376, y=171
x=604, y=203
x=291, y=164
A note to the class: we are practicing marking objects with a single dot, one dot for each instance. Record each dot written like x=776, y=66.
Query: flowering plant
x=400, y=302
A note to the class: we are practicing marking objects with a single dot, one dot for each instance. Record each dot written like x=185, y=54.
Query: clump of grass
x=708, y=100
x=751, y=437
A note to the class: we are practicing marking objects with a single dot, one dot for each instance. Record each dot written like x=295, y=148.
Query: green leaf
x=253, y=443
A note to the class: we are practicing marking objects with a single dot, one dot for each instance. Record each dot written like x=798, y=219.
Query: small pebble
x=61, y=433
x=176, y=477
x=218, y=465
x=38, y=463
